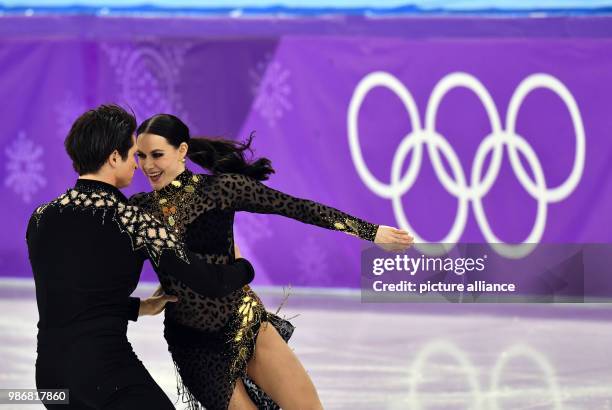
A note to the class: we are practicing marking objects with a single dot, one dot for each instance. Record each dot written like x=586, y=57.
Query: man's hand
x=154, y=304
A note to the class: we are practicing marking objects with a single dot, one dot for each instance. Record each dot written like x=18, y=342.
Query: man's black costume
x=87, y=248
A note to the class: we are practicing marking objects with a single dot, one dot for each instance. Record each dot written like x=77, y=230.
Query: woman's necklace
x=173, y=200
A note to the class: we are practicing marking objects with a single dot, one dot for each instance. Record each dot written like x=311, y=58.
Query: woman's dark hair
x=96, y=134
x=217, y=155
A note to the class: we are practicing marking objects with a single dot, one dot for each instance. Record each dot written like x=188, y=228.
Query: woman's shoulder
x=229, y=178
x=232, y=184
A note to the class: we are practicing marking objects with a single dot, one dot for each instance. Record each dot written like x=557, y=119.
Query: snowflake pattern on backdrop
x=148, y=76
x=67, y=111
x=24, y=167
x=271, y=88
x=312, y=263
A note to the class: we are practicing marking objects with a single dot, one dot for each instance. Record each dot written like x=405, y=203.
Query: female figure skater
x=221, y=345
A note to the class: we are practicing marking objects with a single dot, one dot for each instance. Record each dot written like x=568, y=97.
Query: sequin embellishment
x=144, y=230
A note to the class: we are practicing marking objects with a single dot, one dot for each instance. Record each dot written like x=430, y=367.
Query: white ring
x=457, y=185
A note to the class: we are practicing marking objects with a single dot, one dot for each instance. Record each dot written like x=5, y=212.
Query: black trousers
x=96, y=363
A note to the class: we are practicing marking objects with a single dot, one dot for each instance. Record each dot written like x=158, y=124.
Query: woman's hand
x=154, y=304
x=393, y=239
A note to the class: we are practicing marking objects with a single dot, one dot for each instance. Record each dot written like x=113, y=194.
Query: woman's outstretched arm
x=247, y=194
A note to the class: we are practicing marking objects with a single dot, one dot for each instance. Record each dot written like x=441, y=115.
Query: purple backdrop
x=293, y=82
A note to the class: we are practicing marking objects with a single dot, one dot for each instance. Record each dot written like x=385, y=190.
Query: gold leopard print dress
x=212, y=339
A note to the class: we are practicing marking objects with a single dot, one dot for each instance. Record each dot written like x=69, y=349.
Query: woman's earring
x=183, y=160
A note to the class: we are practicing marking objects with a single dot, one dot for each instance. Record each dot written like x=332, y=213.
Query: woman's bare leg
x=277, y=370
x=240, y=398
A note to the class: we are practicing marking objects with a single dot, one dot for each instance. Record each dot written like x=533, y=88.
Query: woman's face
x=160, y=161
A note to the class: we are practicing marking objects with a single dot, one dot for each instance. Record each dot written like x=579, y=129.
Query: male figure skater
x=87, y=248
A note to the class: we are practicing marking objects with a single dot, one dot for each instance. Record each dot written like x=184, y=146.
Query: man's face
x=124, y=172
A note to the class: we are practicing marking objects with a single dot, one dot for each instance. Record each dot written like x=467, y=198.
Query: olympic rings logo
x=502, y=135
x=484, y=399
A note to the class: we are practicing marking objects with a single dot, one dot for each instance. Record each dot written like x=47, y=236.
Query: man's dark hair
x=96, y=134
